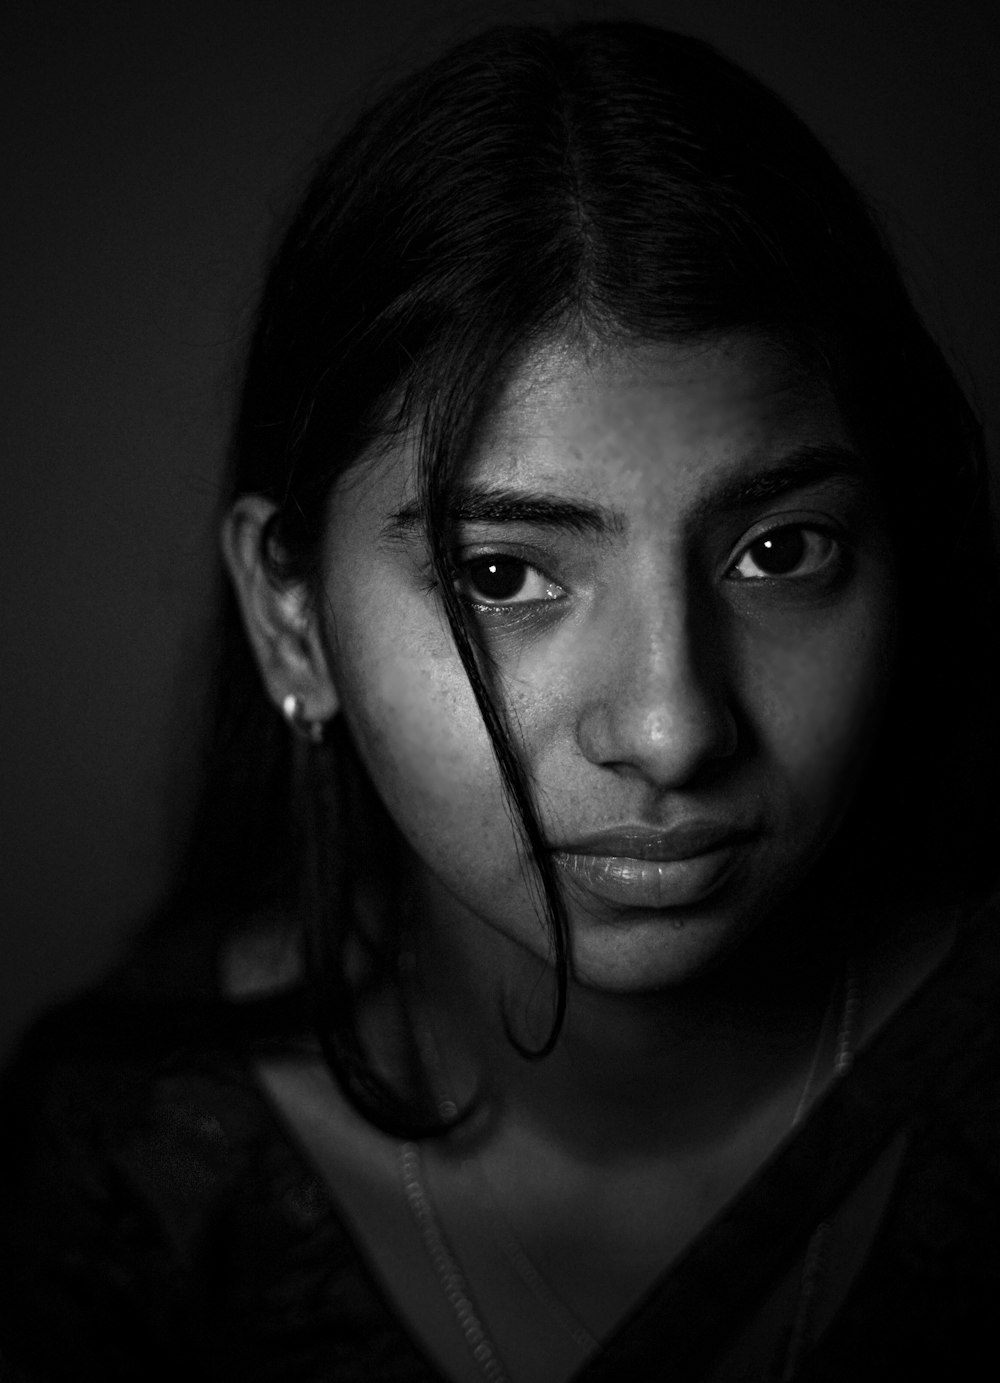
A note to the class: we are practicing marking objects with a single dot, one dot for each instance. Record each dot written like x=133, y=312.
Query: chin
x=651, y=954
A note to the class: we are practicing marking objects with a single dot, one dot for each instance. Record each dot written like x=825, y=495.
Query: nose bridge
x=662, y=707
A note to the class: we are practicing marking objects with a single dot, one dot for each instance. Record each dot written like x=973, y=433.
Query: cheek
x=819, y=697
x=418, y=730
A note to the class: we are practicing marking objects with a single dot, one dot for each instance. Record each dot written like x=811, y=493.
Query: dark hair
x=615, y=183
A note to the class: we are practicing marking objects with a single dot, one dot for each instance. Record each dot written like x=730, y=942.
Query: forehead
x=681, y=408
x=651, y=425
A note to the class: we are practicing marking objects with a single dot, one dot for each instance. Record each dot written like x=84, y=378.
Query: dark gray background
x=146, y=150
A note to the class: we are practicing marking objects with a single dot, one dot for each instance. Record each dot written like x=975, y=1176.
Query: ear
x=281, y=625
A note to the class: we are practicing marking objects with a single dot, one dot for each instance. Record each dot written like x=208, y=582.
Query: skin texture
x=655, y=672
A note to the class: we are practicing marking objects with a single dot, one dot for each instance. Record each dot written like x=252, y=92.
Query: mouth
x=635, y=866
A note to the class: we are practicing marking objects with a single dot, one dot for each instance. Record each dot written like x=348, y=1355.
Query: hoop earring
x=293, y=709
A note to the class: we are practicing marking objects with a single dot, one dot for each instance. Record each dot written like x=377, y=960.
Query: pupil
x=781, y=552
x=497, y=578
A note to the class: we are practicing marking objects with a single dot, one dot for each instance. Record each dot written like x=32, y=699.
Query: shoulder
x=148, y=1200
x=145, y=1079
x=156, y=1221
x=938, y=1060
x=119, y=1154
x=945, y=1220
x=97, y=1085
x=925, y=1300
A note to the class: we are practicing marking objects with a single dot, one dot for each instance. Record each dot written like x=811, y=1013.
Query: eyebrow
x=801, y=469
x=497, y=505
x=750, y=487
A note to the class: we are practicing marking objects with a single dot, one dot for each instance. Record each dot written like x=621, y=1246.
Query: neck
x=630, y=1073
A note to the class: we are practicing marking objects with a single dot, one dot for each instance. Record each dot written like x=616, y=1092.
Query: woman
x=600, y=769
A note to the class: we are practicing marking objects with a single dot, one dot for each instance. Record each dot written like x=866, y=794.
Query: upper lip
x=678, y=842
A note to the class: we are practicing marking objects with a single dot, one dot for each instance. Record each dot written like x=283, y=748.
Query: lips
x=680, y=842
x=643, y=867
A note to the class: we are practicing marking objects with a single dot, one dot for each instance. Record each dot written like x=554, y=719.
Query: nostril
x=658, y=697
x=668, y=732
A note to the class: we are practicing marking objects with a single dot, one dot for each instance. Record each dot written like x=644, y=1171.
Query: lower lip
x=622, y=880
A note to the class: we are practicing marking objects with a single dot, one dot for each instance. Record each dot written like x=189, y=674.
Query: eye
x=794, y=551
x=498, y=580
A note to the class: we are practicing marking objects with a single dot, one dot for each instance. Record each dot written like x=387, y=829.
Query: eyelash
x=462, y=569
x=812, y=535
x=829, y=560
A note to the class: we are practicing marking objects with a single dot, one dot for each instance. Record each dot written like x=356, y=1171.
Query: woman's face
x=675, y=558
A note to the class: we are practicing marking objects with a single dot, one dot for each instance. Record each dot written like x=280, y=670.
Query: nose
x=658, y=704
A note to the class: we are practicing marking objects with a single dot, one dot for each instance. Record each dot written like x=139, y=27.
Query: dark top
x=157, y=1222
